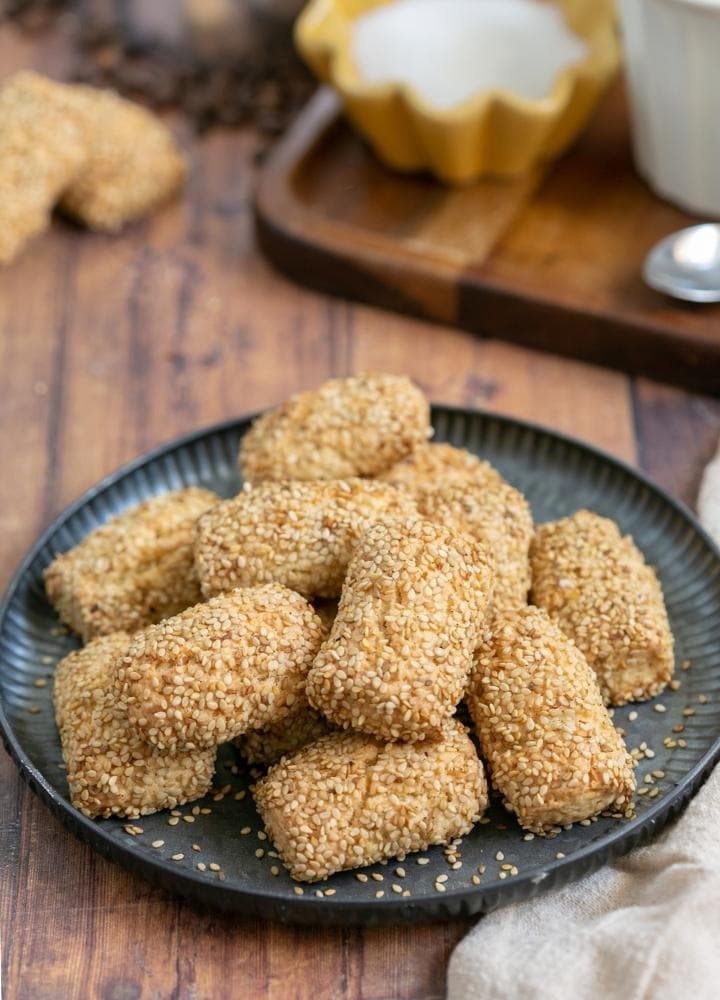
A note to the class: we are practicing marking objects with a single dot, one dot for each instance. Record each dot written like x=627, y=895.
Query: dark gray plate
x=558, y=475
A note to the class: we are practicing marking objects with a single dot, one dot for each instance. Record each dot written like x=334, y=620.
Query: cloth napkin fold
x=646, y=927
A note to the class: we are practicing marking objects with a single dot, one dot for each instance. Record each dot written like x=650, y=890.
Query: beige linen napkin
x=646, y=927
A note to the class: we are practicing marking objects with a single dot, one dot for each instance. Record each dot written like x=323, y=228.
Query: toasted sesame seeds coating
x=218, y=669
x=453, y=487
x=348, y=800
x=347, y=427
x=596, y=585
x=110, y=770
x=132, y=162
x=298, y=534
x=40, y=153
x=267, y=746
x=550, y=744
x=132, y=571
x=398, y=657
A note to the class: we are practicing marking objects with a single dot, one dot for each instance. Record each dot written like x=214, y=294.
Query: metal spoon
x=686, y=264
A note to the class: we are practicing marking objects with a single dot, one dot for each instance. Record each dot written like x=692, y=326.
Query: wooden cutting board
x=552, y=261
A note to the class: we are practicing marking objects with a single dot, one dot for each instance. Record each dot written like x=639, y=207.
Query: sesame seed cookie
x=455, y=488
x=347, y=427
x=348, y=800
x=132, y=161
x=132, y=571
x=268, y=745
x=41, y=151
x=597, y=586
x=549, y=742
x=111, y=771
x=399, y=654
x=300, y=534
x=219, y=669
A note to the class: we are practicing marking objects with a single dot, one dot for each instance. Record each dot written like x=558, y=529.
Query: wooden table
x=110, y=346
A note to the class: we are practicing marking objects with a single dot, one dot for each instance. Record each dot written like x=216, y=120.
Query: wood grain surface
x=109, y=346
x=552, y=260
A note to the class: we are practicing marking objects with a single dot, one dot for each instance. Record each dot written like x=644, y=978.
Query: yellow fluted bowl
x=494, y=132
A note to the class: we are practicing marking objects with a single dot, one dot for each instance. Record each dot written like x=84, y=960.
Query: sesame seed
x=439, y=887
x=685, y=665
x=482, y=869
x=34, y=709
x=660, y=708
x=678, y=728
x=632, y=716
x=441, y=879
x=262, y=835
x=158, y=843
x=40, y=682
x=559, y=855
x=196, y=847
x=400, y=872
x=702, y=698
x=649, y=754
x=298, y=890
x=260, y=853
x=475, y=879
x=361, y=876
x=214, y=866
x=245, y=830
x=658, y=774
x=688, y=711
x=189, y=819
x=379, y=894
x=377, y=876
x=201, y=866
x=195, y=810
x=514, y=870
x=499, y=856
x=205, y=811
x=529, y=836
x=175, y=812
x=643, y=791
x=653, y=792
x=456, y=865
x=173, y=821
x=503, y=875
x=239, y=796
x=406, y=892
x=682, y=743
x=274, y=870
x=330, y=892
x=177, y=857
x=423, y=861
x=396, y=888
x=674, y=685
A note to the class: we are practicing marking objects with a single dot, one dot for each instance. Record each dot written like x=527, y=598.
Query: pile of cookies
x=99, y=158
x=330, y=619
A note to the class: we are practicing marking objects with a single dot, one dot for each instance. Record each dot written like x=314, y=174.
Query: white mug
x=672, y=60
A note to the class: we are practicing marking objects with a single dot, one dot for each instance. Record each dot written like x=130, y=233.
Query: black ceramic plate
x=558, y=475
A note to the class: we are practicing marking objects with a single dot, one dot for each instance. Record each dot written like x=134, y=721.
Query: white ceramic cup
x=672, y=60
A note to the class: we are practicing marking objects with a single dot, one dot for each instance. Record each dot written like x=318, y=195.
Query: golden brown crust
x=455, y=488
x=299, y=534
x=550, y=744
x=41, y=151
x=348, y=800
x=132, y=165
x=400, y=650
x=110, y=770
x=347, y=427
x=132, y=571
x=596, y=585
x=219, y=669
x=268, y=745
